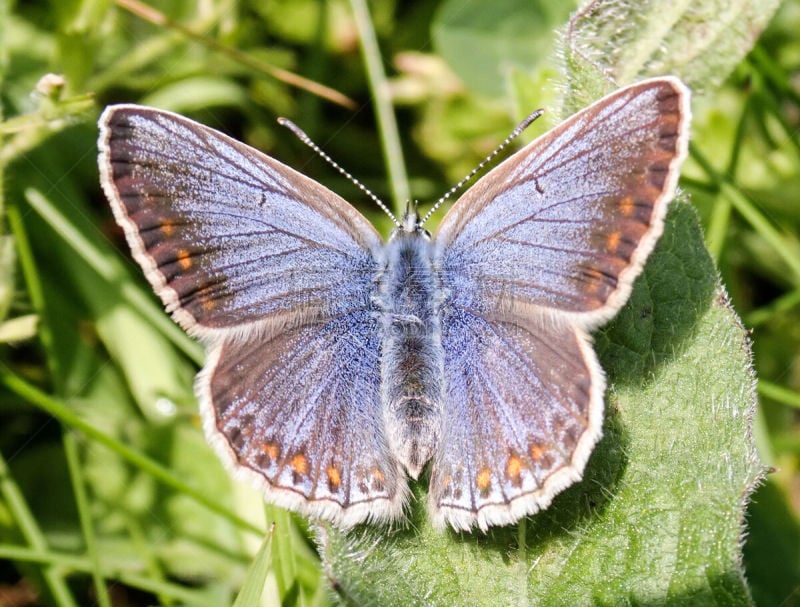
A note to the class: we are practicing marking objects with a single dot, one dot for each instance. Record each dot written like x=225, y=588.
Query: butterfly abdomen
x=411, y=351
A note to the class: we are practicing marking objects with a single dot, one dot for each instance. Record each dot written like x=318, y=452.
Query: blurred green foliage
x=108, y=493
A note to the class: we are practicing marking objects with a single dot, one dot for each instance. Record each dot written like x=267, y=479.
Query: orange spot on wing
x=612, y=242
x=514, y=469
x=272, y=451
x=378, y=480
x=206, y=299
x=334, y=477
x=595, y=280
x=447, y=481
x=593, y=273
x=627, y=206
x=484, y=479
x=299, y=463
x=167, y=227
x=537, y=453
x=184, y=259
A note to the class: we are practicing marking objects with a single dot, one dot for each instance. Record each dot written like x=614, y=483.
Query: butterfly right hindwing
x=523, y=410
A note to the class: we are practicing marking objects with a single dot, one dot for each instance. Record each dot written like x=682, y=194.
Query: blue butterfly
x=338, y=364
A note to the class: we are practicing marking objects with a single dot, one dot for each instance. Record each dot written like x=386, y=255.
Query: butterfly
x=338, y=364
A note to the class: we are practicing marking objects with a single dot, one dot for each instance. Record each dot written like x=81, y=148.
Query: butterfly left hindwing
x=301, y=411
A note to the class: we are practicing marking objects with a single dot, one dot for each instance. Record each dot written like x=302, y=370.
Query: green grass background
x=108, y=492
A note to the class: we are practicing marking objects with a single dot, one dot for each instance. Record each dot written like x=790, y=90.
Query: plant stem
x=384, y=110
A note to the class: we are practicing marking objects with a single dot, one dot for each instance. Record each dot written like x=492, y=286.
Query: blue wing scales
x=534, y=256
x=227, y=236
x=276, y=274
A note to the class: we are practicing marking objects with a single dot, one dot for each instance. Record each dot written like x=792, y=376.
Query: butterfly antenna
x=514, y=134
x=301, y=135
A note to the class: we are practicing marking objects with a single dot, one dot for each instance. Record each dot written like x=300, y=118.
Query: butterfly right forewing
x=566, y=223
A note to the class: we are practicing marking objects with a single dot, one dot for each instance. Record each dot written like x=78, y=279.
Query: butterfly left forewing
x=229, y=238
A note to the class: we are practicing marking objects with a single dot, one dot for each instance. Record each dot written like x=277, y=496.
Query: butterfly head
x=411, y=223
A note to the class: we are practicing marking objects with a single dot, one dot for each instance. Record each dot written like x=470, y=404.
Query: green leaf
x=8, y=261
x=773, y=547
x=293, y=559
x=609, y=44
x=196, y=93
x=484, y=41
x=658, y=518
x=250, y=594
